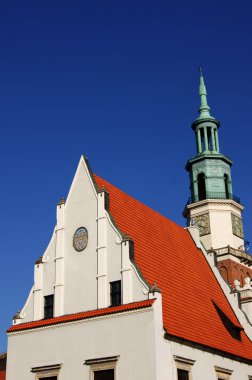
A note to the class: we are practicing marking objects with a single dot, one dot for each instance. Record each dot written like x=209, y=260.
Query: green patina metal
x=210, y=171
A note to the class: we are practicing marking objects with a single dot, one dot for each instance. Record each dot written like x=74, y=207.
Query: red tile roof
x=80, y=316
x=194, y=305
x=2, y=375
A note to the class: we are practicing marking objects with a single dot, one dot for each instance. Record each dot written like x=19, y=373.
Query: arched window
x=201, y=186
x=226, y=183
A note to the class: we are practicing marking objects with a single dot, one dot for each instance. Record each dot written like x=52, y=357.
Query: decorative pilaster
x=37, y=292
x=126, y=272
x=59, y=261
x=102, y=286
x=199, y=145
x=217, y=141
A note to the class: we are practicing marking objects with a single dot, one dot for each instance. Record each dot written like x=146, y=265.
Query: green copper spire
x=204, y=110
x=210, y=170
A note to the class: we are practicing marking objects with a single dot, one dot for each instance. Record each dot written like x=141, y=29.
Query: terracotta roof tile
x=194, y=305
x=2, y=375
x=81, y=316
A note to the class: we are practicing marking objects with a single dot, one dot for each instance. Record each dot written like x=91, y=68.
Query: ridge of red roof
x=195, y=307
x=81, y=316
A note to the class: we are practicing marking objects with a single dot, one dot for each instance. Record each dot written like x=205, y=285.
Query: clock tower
x=212, y=206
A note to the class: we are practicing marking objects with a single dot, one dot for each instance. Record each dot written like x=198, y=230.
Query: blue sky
x=117, y=82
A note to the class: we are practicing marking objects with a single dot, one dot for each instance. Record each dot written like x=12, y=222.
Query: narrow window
x=102, y=368
x=104, y=375
x=48, y=378
x=184, y=367
x=182, y=374
x=203, y=145
x=48, y=306
x=201, y=186
x=226, y=186
x=209, y=137
x=115, y=293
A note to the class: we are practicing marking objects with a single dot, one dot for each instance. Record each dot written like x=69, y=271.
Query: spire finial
x=204, y=110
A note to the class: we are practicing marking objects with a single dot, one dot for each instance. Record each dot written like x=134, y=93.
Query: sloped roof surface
x=2, y=375
x=80, y=316
x=194, y=305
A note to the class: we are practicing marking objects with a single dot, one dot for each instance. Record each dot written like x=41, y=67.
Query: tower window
x=201, y=186
x=209, y=137
x=48, y=306
x=202, y=139
x=226, y=182
x=115, y=293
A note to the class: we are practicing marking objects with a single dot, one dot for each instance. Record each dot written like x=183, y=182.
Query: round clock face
x=202, y=222
x=237, y=226
x=80, y=239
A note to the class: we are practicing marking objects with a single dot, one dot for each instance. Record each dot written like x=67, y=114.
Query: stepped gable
x=194, y=305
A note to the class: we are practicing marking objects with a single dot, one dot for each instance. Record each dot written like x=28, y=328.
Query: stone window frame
x=43, y=372
x=102, y=364
x=184, y=364
x=223, y=373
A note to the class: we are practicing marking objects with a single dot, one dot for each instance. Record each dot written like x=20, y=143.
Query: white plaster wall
x=138, y=285
x=205, y=362
x=221, y=230
x=129, y=335
x=220, y=223
x=137, y=337
x=27, y=311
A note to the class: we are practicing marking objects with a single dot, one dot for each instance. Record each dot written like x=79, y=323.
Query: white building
x=123, y=293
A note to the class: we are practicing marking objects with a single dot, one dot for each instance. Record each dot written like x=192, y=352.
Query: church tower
x=212, y=205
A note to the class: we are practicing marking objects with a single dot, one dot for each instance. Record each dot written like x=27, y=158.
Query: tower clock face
x=202, y=221
x=80, y=239
x=237, y=226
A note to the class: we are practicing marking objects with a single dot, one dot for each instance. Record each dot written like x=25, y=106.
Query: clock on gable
x=80, y=239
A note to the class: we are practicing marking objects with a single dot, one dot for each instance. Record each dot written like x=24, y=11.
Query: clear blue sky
x=118, y=82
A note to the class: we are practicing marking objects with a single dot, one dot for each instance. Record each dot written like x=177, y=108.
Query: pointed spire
x=204, y=110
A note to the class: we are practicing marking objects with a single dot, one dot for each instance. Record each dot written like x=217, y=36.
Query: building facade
x=107, y=302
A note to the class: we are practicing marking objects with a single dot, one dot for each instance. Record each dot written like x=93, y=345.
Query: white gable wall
x=80, y=267
x=80, y=280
